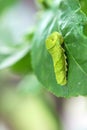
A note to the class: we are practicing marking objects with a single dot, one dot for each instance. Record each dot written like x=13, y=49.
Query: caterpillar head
x=53, y=39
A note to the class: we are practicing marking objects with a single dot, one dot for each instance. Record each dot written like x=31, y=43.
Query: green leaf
x=4, y=4
x=15, y=45
x=84, y=5
x=22, y=66
x=16, y=54
x=29, y=85
x=46, y=3
x=11, y=52
x=69, y=20
x=84, y=9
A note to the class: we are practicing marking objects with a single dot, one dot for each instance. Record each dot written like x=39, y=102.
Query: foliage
x=67, y=17
x=4, y=4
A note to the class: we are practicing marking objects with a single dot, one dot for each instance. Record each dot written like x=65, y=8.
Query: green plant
x=68, y=17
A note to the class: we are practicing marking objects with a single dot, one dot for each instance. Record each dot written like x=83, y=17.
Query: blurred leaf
x=14, y=44
x=84, y=5
x=7, y=60
x=84, y=9
x=11, y=52
x=46, y=3
x=4, y=4
x=27, y=112
x=69, y=20
x=29, y=85
x=29, y=36
x=49, y=4
x=23, y=66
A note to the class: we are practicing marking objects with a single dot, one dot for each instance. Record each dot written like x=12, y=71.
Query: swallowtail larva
x=53, y=45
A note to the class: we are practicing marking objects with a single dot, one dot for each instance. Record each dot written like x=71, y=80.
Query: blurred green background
x=24, y=104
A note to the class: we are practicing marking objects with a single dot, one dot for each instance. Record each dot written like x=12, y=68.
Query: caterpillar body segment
x=53, y=45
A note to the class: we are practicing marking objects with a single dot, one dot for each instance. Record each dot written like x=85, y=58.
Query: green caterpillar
x=53, y=45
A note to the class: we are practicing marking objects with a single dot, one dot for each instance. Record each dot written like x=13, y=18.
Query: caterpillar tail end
x=61, y=79
x=62, y=83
